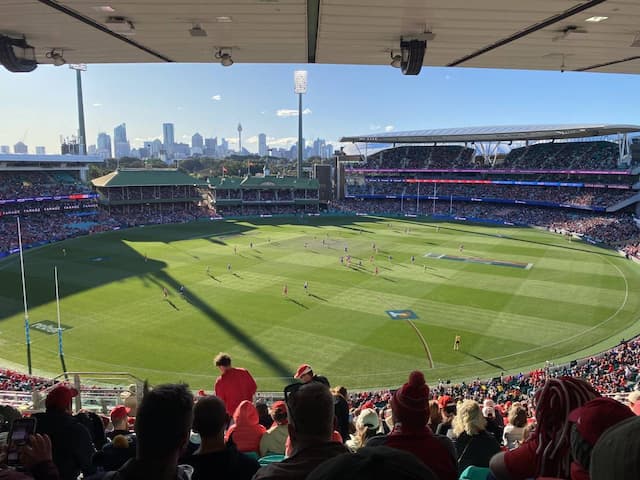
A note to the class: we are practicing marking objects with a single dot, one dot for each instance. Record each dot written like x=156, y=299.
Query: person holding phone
x=34, y=457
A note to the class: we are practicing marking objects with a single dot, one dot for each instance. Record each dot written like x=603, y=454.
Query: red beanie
x=410, y=403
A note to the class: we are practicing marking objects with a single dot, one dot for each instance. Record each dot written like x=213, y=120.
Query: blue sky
x=341, y=100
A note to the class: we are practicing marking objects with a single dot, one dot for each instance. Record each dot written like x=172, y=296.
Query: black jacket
x=70, y=441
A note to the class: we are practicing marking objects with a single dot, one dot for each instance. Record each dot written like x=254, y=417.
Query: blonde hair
x=469, y=419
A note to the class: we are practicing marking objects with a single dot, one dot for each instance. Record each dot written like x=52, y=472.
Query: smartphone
x=21, y=429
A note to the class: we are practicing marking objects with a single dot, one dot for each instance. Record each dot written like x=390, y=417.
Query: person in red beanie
x=71, y=442
x=410, y=410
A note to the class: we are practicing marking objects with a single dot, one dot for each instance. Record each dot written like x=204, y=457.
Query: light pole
x=79, y=68
x=300, y=87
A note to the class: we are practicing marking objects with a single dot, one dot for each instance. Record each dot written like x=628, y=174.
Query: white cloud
x=217, y=97
x=96, y=105
x=287, y=112
x=389, y=128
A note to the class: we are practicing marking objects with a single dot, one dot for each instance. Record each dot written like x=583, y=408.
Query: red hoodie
x=246, y=431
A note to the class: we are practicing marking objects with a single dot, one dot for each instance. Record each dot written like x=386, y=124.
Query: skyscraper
x=104, y=145
x=5, y=149
x=197, y=141
x=168, y=137
x=263, y=149
x=211, y=146
x=121, y=146
x=40, y=151
x=20, y=147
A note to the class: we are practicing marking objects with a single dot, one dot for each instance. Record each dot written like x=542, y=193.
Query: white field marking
x=423, y=341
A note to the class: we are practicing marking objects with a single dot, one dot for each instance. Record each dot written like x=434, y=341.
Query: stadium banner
x=494, y=182
x=489, y=171
x=75, y=196
x=507, y=201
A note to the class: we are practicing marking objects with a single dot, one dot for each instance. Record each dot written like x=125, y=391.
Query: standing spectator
x=410, y=411
x=474, y=444
x=273, y=441
x=246, y=431
x=163, y=426
x=71, y=442
x=341, y=409
x=234, y=384
x=214, y=458
x=311, y=415
x=305, y=375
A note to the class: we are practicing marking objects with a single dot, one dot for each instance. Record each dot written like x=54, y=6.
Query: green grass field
x=575, y=299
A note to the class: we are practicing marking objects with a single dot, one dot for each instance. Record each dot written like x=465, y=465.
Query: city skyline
x=341, y=100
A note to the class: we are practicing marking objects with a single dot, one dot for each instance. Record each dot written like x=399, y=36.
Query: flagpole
x=60, y=351
x=27, y=332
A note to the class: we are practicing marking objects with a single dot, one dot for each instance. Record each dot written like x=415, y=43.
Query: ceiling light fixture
x=56, y=57
x=224, y=55
x=105, y=8
x=197, y=31
x=396, y=60
x=596, y=19
x=121, y=25
x=224, y=19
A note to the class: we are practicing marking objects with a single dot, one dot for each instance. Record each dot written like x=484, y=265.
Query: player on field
x=306, y=287
x=413, y=259
x=377, y=271
x=64, y=252
x=228, y=267
x=456, y=343
x=461, y=248
x=165, y=292
x=182, y=290
x=285, y=290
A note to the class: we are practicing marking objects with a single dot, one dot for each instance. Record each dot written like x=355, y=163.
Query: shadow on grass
x=317, y=297
x=494, y=365
x=214, y=278
x=298, y=303
x=264, y=355
x=172, y=304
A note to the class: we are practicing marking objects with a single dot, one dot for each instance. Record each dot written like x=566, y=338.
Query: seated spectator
x=214, y=458
x=246, y=432
x=273, y=441
x=71, y=442
x=93, y=423
x=494, y=425
x=448, y=409
x=474, y=444
x=116, y=453
x=634, y=401
x=514, y=432
x=588, y=423
x=367, y=425
x=547, y=452
x=162, y=430
x=264, y=417
x=410, y=412
x=120, y=420
x=311, y=417
x=372, y=464
x=616, y=453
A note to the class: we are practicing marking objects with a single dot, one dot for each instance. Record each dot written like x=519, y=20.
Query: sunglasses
x=289, y=392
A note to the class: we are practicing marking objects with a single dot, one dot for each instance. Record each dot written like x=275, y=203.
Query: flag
x=224, y=170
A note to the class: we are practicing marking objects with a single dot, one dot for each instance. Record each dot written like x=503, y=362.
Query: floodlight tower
x=300, y=87
x=79, y=68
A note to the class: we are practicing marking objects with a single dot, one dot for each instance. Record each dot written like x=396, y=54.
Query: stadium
x=493, y=260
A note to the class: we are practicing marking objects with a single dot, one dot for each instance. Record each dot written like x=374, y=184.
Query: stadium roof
x=494, y=134
x=146, y=178
x=228, y=183
x=30, y=158
x=593, y=35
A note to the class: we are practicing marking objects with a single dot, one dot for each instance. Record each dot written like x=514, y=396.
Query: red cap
x=120, y=411
x=368, y=404
x=60, y=397
x=202, y=393
x=279, y=406
x=444, y=400
x=597, y=415
x=302, y=370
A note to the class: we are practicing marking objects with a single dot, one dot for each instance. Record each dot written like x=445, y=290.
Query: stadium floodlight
x=300, y=81
x=79, y=68
x=300, y=87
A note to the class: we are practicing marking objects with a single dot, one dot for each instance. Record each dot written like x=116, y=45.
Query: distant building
x=263, y=149
x=40, y=151
x=210, y=146
x=121, y=145
x=223, y=149
x=104, y=145
x=5, y=149
x=197, y=141
x=318, y=148
x=168, y=137
x=20, y=148
x=91, y=150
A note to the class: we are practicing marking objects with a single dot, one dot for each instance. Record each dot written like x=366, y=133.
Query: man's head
x=304, y=373
x=279, y=412
x=209, y=416
x=615, y=454
x=119, y=417
x=410, y=403
x=311, y=413
x=222, y=361
x=164, y=420
x=59, y=399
